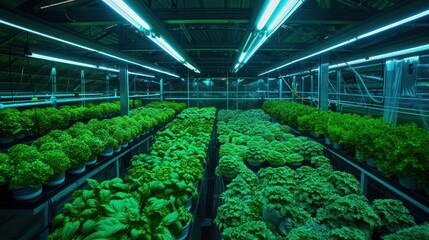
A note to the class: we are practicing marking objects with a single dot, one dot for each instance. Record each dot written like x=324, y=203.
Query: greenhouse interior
x=210, y=119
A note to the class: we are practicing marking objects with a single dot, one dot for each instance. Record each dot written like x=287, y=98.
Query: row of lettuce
x=312, y=202
x=15, y=123
x=398, y=150
x=151, y=202
x=256, y=140
x=48, y=157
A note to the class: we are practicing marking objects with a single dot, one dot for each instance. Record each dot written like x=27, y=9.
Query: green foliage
x=34, y=174
x=77, y=151
x=294, y=158
x=346, y=233
x=10, y=122
x=275, y=158
x=229, y=166
x=352, y=211
x=94, y=143
x=344, y=183
x=233, y=214
x=393, y=214
x=248, y=230
x=415, y=232
x=6, y=168
x=23, y=153
x=309, y=231
x=256, y=153
x=57, y=160
x=59, y=136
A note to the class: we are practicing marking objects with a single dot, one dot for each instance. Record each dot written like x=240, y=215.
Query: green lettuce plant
x=33, y=174
x=6, y=169
x=94, y=143
x=59, y=136
x=233, y=213
x=349, y=233
x=57, y=160
x=393, y=214
x=294, y=158
x=352, y=211
x=249, y=230
x=275, y=158
x=229, y=166
x=9, y=122
x=77, y=151
x=108, y=141
x=256, y=154
x=415, y=232
x=344, y=183
x=23, y=153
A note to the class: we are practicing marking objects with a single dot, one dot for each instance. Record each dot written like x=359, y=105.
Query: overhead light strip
x=126, y=12
x=274, y=14
x=87, y=65
x=123, y=9
x=84, y=47
x=378, y=30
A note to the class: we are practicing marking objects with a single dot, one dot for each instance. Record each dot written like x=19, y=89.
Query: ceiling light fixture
x=166, y=47
x=274, y=14
x=87, y=65
x=84, y=47
x=373, y=32
x=126, y=12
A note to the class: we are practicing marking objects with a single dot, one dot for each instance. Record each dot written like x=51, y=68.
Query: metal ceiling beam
x=143, y=47
x=186, y=32
x=30, y=22
x=382, y=19
x=97, y=16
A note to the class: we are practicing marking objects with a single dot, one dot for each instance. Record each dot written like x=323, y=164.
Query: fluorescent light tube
x=126, y=12
x=236, y=65
x=93, y=66
x=286, y=11
x=60, y=60
x=166, y=47
x=268, y=11
x=395, y=24
x=378, y=30
x=141, y=74
x=255, y=48
x=83, y=47
x=383, y=56
x=242, y=55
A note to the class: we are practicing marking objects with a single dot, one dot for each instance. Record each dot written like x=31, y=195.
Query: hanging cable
x=293, y=92
x=359, y=78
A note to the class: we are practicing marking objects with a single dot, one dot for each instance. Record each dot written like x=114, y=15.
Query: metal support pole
x=198, y=94
x=364, y=183
x=82, y=86
x=124, y=89
x=189, y=95
x=227, y=90
x=323, y=82
x=236, y=94
x=268, y=88
x=54, y=81
x=312, y=88
x=302, y=90
x=54, y=86
x=161, y=89
x=107, y=85
x=280, y=88
x=293, y=88
x=339, y=83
